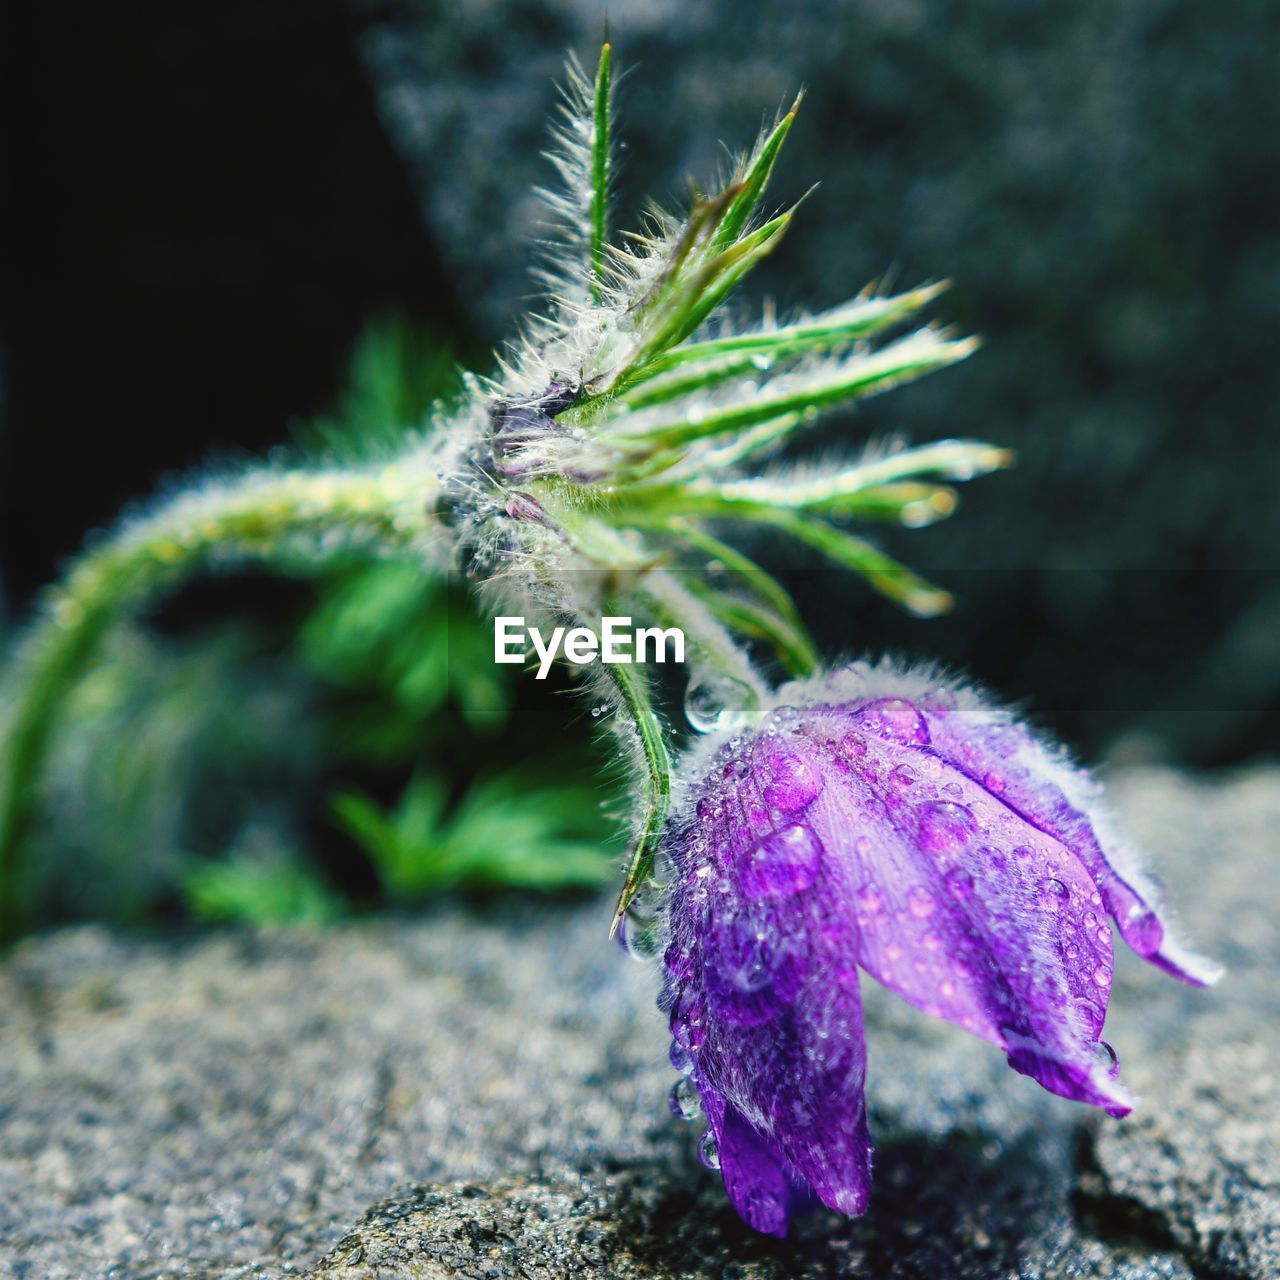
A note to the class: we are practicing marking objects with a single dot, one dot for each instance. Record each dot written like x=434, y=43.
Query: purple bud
x=890, y=823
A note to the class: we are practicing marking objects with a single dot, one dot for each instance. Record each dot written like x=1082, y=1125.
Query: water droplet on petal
x=1142, y=930
x=1091, y=1014
x=869, y=900
x=708, y=1152
x=901, y=777
x=684, y=1101
x=920, y=903
x=1023, y=853
x=944, y=825
x=793, y=782
x=894, y=719
x=1102, y=975
x=993, y=782
x=1107, y=1058
x=680, y=1058
x=1053, y=895
x=782, y=864
x=960, y=882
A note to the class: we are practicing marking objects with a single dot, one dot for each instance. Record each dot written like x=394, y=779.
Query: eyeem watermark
x=615, y=642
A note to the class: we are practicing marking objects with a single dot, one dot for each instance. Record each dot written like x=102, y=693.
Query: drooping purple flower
x=894, y=823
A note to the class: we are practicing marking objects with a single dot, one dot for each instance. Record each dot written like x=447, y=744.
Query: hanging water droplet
x=1107, y=1057
x=683, y=1099
x=712, y=703
x=708, y=1152
x=680, y=1058
x=1102, y=975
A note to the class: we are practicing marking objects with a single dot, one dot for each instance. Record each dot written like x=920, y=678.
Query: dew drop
x=782, y=864
x=1052, y=896
x=708, y=1152
x=959, y=882
x=896, y=720
x=680, y=1058
x=920, y=903
x=719, y=703
x=1091, y=1014
x=1023, y=853
x=946, y=988
x=994, y=783
x=792, y=784
x=869, y=900
x=1102, y=975
x=683, y=1099
x=901, y=777
x=945, y=825
x=1142, y=930
x=1107, y=1058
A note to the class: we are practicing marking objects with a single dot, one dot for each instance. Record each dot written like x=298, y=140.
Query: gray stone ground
x=493, y=1082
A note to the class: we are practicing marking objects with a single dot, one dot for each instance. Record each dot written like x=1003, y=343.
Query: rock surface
x=495, y=1079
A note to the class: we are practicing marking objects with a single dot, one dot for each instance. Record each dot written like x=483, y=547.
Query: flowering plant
x=598, y=472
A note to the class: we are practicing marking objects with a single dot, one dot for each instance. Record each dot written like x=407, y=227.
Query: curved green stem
x=275, y=517
x=633, y=688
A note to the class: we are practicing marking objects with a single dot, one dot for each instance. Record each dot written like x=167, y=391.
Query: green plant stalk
x=272, y=517
x=633, y=688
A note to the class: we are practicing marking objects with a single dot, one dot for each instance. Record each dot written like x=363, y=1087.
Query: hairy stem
x=284, y=518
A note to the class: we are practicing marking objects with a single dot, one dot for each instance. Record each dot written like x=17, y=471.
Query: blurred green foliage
x=362, y=751
x=501, y=833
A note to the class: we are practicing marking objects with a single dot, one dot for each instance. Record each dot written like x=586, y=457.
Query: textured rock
x=228, y=1106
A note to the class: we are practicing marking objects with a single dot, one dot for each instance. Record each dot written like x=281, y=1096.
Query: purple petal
x=963, y=908
x=767, y=1002
x=1007, y=761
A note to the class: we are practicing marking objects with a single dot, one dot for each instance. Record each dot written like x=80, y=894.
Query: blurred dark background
x=205, y=205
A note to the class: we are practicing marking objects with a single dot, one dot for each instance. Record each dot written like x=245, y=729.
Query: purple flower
x=891, y=823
